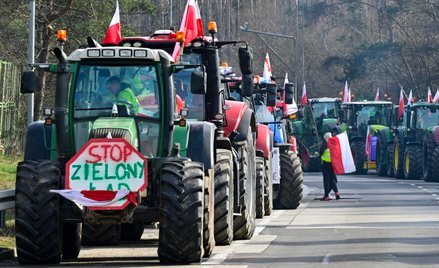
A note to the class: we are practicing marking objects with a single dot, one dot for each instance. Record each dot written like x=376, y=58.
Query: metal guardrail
x=7, y=201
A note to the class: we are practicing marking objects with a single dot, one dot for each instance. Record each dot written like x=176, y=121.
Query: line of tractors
x=405, y=146
x=217, y=151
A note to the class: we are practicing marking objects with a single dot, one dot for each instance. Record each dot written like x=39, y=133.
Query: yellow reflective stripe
x=326, y=156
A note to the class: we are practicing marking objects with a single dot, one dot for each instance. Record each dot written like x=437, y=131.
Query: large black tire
x=224, y=197
x=398, y=158
x=71, y=240
x=132, y=231
x=381, y=154
x=268, y=187
x=260, y=182
x=428, y=146
x=291, y=182
x=37, y=221
x=209, y=220
x=181, y=212
x=412, y=162
x=435, y=164
x=100, y=234
x=244, y=225
x=359, y=154
x=390, y=157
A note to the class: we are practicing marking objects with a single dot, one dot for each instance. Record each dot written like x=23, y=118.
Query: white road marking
x=412, y=184
x=325, y=260
x=433, y=194
x=420, y=187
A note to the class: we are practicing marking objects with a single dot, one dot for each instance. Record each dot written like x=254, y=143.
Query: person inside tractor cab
x=123, y=94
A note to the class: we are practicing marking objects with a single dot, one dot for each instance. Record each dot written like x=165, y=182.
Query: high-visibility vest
x=127, y=96
x=326, y=156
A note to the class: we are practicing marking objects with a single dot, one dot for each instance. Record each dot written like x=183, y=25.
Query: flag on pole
x=368, y=142
x=113, y=35
x=267, y=74
x=436, y=96
x=289, y=108
x=377, y=96
x=409, y=101
x=349, y=95
x=346, y=92
x=341, y=155
x=429, y=96
x=401, y=104
x=191, y=25
x=304, y=96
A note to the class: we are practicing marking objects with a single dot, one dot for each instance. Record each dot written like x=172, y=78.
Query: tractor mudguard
x=201, y=145
x=435, y=132
x=223, y=143
x=239, y=118
x=39, y=144
x=263, y=142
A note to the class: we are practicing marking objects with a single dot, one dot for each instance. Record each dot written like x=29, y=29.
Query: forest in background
x=370, y=43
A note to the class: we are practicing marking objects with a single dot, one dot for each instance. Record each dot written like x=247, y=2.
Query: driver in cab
x=123, y=94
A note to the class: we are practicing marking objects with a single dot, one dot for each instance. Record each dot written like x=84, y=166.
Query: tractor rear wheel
x=181, y=212
x=260, y=182
x=398, y=158
x=102, y=234
x=359, y=154
x=132, y=231
x=209, y=214
x=224, y=197
x=390, y=158
x=268, y=187
x=428, y=146
x=435, y=164
x=291, y=182
x=71, y=240
x=412, y=162
x=381, y=154
x=245, y=224
x=37, y=220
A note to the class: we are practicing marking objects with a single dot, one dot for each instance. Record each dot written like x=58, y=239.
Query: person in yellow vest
x=123, y=94
x=329, y=178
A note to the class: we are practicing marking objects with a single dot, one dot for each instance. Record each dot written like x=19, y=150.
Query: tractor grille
x=115, y=133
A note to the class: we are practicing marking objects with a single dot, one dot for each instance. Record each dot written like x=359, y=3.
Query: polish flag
x=346, y=92
x=113, y=36
x=436, y=96
x=289, y=108
x=377, y=96
x=429, y=96
x=409, y=101
x=97, y=198
x=401, y=103
x=191, y=25
x=304, y=96
x=341, y=155
x=267, y=73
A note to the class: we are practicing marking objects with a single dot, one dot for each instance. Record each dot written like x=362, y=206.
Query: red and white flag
x=401, y=103
x=304, y=96
x=191, y=25
x=410, y=98
x=429, y=96
x=368, y=141
x=377, y=96
x=97, y=198
x=267, y=73
x=289, y=108
x=436, y=96
x=349, y=95
x=113, y=36
x=341, y=155
x=346, y=92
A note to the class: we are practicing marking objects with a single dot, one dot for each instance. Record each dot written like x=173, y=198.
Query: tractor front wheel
x=102, y=234
x=381, y=155
x=398, y=158
x=132, y=231
x=412, y=162
x=428, y=146
x=291, y=182
x=268, y=187
x=260, y=181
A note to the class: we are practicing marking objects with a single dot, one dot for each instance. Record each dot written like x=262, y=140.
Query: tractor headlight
x=108, y=53
x=140, y=53
x=93, y=53
x=125, y=53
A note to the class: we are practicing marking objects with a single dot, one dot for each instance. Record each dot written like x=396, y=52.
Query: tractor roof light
x=180, y=37
x=211, y=27
x=61, y=36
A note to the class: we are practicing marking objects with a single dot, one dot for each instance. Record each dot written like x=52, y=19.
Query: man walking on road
x=329, y=178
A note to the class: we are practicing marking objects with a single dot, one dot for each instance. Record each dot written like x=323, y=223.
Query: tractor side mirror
x=271, y=95
x=28, y=82
x=247, y=85
x=245, y=55
x=289, y=92
x=198, y=82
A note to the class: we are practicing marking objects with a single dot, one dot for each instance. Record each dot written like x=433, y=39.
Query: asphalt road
x=378, y=222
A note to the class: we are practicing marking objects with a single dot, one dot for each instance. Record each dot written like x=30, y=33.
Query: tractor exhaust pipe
x=61, y=110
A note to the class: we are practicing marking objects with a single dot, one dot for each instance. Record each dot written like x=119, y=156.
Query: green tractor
x=414, y=152
x=110, y=160
x=319, y=116
x=363, y=120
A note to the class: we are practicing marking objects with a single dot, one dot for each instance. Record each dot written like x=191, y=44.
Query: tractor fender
x=435, y=132
x=239, y=118
x=201, y=144
x=38, y=141
x=263, y=142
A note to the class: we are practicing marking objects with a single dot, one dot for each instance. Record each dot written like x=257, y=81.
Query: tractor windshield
x=324, y=110
x=99, y=87
x=373, y=115
x=426, y=117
